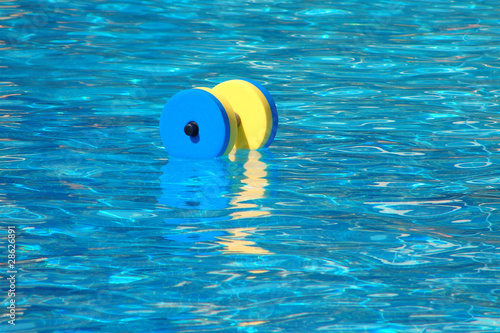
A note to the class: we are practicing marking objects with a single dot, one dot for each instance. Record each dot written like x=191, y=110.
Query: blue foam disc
x=203, y=108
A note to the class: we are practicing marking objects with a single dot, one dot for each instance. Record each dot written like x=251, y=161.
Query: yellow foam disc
x=254, y=110
x=230, y=115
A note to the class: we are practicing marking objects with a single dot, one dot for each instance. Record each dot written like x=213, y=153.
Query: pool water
x=376, y=208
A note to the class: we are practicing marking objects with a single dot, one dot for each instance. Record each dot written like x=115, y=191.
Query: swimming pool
x=374, y=210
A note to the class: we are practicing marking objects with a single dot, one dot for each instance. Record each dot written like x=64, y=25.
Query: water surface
x=374, y=210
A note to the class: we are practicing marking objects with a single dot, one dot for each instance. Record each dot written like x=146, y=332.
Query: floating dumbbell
x=206, y=123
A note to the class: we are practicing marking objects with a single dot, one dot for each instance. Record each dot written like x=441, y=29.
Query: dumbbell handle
x=192, y=129
x=238, y=119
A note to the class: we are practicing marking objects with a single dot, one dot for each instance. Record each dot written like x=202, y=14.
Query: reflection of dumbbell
x=205, y=123
x=198, y=185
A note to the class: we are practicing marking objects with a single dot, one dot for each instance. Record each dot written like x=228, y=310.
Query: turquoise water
x=376, y=208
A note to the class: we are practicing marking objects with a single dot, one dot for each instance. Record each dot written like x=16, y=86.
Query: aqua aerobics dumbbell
x=206, y=123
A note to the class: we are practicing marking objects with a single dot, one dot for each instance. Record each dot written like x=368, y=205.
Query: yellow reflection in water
x=235, y=243
x=254, y=187
x=252, y=323
x=9, y=95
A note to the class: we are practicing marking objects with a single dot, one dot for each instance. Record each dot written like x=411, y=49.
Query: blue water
x=376, y=208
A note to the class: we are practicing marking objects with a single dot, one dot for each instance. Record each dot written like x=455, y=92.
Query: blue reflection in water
x=196, y=184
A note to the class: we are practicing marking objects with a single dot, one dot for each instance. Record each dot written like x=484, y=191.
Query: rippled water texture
x=376, y=209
